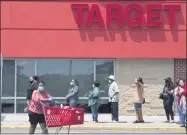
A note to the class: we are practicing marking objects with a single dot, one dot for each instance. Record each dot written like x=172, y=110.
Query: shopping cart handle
x=57, y=102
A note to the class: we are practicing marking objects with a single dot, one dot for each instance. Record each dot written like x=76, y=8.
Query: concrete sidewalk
x=20, y=121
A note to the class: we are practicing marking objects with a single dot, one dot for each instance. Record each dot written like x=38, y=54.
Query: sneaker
x=172, y=121
x=167, y=121
x=182, y=126
x=136, y=121
x=114, y=121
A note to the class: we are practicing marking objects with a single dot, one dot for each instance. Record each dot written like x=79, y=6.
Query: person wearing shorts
x=35, y=109
x=137, y=106
x=138, y=100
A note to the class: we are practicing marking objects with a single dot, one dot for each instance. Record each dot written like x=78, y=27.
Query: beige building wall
x=153, y=72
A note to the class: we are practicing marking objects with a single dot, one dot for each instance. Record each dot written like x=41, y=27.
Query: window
x=104, y=68
x=8, y=78
x=7, y=106
x=83, y=71
x=56, y=74
x=25, y=69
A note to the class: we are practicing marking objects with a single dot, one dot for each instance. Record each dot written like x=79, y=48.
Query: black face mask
x=31, y=81
x=166, y=81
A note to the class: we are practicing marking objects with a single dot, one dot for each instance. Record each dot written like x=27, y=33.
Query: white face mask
x=109, y=81
x=93, y=86
x=181, y=83
x=71, y=83
x=41, y=88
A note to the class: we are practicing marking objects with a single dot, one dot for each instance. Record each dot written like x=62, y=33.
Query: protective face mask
x=93, y=86
x=71, y=83
x=109, y=81
x=40, y=88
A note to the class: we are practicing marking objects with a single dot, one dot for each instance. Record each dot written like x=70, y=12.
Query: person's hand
x=51, y=99
x=26, y=109
x=67, y=97
x=181, y=92
x=136, y=80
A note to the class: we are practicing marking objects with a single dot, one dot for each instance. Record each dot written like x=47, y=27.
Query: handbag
x=161, y=96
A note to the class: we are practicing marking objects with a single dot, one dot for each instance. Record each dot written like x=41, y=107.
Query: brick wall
x=180, y=69
x=153, y=71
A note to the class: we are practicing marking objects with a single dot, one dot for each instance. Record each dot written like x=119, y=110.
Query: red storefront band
x=121, y=13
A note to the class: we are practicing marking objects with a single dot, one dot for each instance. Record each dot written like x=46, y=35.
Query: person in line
x=35, y=109
x=113, y=94
x=72, y=96
x=94, y=100
x=139, y=100
x=32, y=86
x=176, y=101
x=181, y=102
x=168, y=99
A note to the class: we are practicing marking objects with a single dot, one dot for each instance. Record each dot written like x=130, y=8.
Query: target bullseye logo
x=48, y=111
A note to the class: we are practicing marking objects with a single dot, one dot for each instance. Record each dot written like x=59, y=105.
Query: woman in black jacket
x=32, y=86
x=168, y=99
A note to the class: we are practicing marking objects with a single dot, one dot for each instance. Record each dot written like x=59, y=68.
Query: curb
x=106, y=128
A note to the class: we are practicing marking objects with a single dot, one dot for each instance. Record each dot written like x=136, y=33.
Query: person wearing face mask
x=176, y=100
x=181, y=93
x=168, y=99
x=32, y=86
x=72, y=96
x=113, y=94
x=35, y=108
x=94, y=100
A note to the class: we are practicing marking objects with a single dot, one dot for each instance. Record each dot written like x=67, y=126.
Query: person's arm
x=95, y=93
x=75, y=91
x=170, y=89
x=29, y=94
x=50, y=98
x=185, y=92
x=171, y=92
x=90, y=95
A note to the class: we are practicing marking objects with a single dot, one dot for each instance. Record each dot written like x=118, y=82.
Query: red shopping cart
x=59, y=116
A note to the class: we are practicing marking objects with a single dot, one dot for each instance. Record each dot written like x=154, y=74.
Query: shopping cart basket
x=59, y=116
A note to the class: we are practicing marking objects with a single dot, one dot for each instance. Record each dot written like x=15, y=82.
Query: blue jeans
x=94, y=109
x=72, y=103
x=181, y=115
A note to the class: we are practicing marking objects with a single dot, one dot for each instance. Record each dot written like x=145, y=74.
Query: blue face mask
x=40, y=88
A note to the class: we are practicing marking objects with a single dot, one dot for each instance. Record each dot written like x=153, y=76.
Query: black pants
x=114, y=111
x=36, y=118
x=168, y=106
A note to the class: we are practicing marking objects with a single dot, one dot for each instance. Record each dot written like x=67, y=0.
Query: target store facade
x=90, y=40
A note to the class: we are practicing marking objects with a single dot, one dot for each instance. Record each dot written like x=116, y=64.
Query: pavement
x=98, y=132
x=152, y=123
